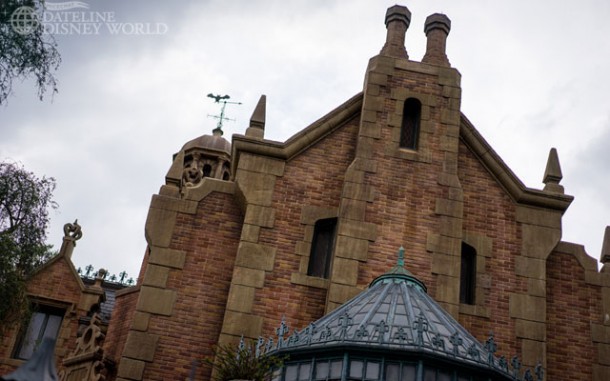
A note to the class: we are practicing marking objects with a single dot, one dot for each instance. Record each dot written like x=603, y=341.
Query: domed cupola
x=206, y=156
x=392, y=331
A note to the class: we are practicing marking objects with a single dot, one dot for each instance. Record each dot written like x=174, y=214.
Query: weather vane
x=221, y=99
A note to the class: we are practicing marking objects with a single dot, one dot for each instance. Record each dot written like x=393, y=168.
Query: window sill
x=310, y=281
x=474, y=310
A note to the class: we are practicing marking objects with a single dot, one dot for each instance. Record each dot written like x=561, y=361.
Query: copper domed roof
x=210, y=142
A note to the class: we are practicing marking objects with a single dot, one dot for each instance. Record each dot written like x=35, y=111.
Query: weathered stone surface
x=238, y=323
x=310, y=281
x=159, y=227
x=311, y=214
x=248, y=277
x=530, y=267
x=241, y=298
x=357, y=229
x=140, y=321
x=155, y=276
x=131, y=369
x=140, y=346
x=527, y=307
x=351, y=248
x=167, y=257
x=260, y=215
x=345, y=271
x=156, y=300
x=530, y=330
x=255, y=256
x=256, y=163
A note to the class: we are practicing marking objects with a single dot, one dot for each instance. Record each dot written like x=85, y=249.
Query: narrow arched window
x=468, y=274
x=322, y=248
x=207, y=170
x=409, y=131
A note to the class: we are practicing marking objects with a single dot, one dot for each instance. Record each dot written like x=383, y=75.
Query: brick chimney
x=437, y=28
x=397, y=20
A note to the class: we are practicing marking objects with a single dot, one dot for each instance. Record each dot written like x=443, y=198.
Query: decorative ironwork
x=491, y=347
x=421, y=325
x=326, y=334
x=516, y=363
x=361, y=333
x=539, y=372
x=401, y=335
x=438, y=342
x=527, y=376
x=503, y=364
x=259, y=347
x=381, y=328
x=281, y=331
x=456, y=340
x=309, y=332
x=345, y=322
x=474, y=352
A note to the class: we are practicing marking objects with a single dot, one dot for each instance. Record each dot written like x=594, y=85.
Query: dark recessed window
x=45, y=322
x=409, y=131
x=322, y=247
x=207, y=170
x=468, y=274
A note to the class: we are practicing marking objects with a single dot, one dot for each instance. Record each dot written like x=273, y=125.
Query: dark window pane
x=392, y=372
x=355, y=370
x=429, y=374
x=335, y=369
x=372, y=370
x=322, y=247
x=207, y=170
x=468, y=274
x=408, y=372
x=409, y=131
x=304, y=372
x=321, y=370
x=45, y=322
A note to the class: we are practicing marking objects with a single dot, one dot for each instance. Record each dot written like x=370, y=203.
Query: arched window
x=226, y=176
x=468, y=274
x=322, y=247
x=207, y=170
x=409, y=131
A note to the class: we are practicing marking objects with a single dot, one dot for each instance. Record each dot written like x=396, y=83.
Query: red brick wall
x=570, y=310
x=210, y=239
x=314, y=177
x=489, y=211
x=122, y=317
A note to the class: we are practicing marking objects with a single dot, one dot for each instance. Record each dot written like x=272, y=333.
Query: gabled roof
x=505, y=176
x=301, y=140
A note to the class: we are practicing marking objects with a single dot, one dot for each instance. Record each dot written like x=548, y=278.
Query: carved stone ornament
x=87, y=361
x=73, y=231
x=193, y=173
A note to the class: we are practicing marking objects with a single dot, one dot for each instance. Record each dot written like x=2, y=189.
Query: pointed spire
x=552, y=173
x=257, y=121
x=401, y=257
x=605, y=257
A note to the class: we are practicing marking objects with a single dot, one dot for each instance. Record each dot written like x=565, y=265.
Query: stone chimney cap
x=437, y=21
x=398, y=13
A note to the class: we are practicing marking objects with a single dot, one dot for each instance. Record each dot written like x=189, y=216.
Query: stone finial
x=605, y=256
x=552, y=173
x=257, y=121
x=437, y=29
x=397, y=20
x=72, y=233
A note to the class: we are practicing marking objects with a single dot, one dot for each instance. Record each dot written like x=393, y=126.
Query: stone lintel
x=357, y=229
x=310, y=281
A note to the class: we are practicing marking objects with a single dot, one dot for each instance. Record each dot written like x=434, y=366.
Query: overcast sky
x=534, y=76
